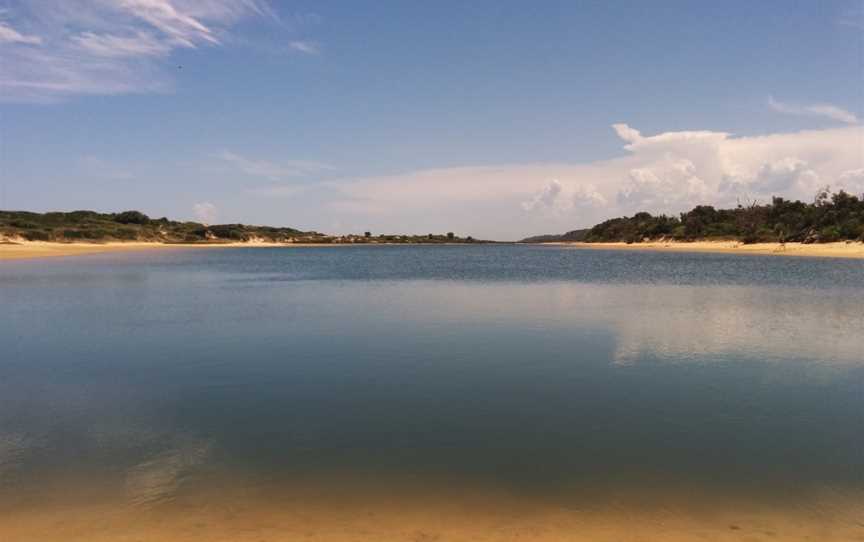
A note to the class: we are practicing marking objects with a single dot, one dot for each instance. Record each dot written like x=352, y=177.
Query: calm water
x=148, y=381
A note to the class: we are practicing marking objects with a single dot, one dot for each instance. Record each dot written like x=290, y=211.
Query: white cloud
x=553, y=198
x=627, y=133
x=814, y=110
x=778, y=177
x=546, y=197
x=205, y=212
x=670, y=182
x=107, y=46
x=667, y=172
x=10, y=35
x=306, y=47
x=852, y=181
x=585, y=195
x=273, y=171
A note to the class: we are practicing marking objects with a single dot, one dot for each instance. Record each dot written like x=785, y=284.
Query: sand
x=36, y=249
x=824, y=250
x=385, y=514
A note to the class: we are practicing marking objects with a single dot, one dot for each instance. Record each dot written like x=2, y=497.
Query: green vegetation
x=831, y=217
x=132, y=226
x=90, y=226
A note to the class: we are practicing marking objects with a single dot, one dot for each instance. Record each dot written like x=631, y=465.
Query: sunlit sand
x=38, y=249
x=380, y=512
x=825, y=250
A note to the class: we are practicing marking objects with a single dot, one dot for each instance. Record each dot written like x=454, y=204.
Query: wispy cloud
x=306, y=47
x=814, y=110
x=107, y=46
x=853, y=17
x=271, y=170
x=10, y=35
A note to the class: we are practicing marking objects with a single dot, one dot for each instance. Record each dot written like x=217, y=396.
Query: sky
x=496, y=119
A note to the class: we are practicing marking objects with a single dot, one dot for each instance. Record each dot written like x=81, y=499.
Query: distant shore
x=41, y=249
x=815, y=250
x=24, y=250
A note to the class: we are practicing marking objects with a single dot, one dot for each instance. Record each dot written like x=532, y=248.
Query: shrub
x=132, y=217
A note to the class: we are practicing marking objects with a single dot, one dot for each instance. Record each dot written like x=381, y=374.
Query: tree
x=132, y=217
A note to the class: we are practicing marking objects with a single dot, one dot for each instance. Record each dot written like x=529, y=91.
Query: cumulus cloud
x=107, y=46
x=852, y=181
x=668, y=172
x=545, y=198
x=271, y=170
x=205, y=212
x=625, y=132
x=814, y=110
x=554, y=198
x=670, y=182
x=784, y=176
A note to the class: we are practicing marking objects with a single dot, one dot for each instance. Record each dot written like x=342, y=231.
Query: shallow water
x=431, y=393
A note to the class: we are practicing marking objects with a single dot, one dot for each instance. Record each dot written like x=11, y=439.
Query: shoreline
x=42, y=249
x=27, y=250
x=841, y=249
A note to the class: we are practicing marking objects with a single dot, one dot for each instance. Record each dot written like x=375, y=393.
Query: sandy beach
x=19, y=250
x=824, y=250
x=36, y=249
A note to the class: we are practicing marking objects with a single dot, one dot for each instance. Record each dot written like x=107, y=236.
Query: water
x=431, y=393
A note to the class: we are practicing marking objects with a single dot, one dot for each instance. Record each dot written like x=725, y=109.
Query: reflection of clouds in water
x=680, y=323
x=666, y=321
x=157, y=479
x=119, y=422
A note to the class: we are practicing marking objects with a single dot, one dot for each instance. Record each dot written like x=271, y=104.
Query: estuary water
x=431, y=393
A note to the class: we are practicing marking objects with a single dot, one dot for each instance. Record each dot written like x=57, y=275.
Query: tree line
x=831, y=217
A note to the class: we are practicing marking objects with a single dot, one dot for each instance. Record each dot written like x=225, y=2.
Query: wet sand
x=824, y=250
x=382, y=513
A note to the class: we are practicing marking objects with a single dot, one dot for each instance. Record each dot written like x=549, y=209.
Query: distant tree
x=367, y=234
x=132, y=217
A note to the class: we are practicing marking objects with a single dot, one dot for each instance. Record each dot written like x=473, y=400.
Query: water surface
x=422, y=393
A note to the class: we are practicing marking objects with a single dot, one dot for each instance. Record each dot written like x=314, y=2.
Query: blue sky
x=493, y=119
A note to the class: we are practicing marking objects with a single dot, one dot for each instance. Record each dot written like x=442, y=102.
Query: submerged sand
x=382, y=513
x=824, y=250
